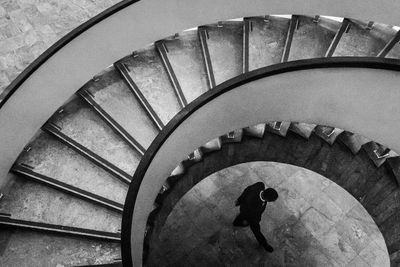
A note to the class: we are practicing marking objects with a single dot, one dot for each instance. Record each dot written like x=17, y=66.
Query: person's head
x=270, y=194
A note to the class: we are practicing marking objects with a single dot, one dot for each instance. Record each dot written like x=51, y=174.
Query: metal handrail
x=185, y=113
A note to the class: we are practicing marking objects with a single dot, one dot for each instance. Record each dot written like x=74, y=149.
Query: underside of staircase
x=70, y=182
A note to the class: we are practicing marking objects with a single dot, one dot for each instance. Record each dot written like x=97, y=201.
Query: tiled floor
x=29, y=27
x=313, y=223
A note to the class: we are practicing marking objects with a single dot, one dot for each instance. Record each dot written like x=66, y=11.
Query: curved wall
x=129, y=29
x=356, y=99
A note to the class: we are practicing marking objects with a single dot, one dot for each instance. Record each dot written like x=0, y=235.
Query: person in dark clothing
x=252, y=204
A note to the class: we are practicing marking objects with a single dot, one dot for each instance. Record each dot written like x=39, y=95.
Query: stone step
x=266, y=40
x=30, y=201
x=81, y=123
x=353, y=141
x=224, y=42
x=255, y=131
x=390, y=230
x=232, y=137
x=378, y=153
x=393, y=48
x=146, y=71
x=303, y=129
x=364, y=39
x=312, y=37
x=49, y=157
x=278, y=127
x=111, y=93
x=394, y=166
x=47, y=248
x=385, y=209
x=328, y=134
x=384, y=185
x=184, y=54
x=212, y=145
x=360, y=176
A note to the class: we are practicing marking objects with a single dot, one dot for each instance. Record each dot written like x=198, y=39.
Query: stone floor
x=313, y=223
x=29, y=27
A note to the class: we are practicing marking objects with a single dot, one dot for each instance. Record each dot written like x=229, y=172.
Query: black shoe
x=268, y=248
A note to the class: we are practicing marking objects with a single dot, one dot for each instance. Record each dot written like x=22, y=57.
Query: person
x=252, y=204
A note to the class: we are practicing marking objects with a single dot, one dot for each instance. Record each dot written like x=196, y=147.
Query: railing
x=349, y=93
x=118, y=31
x=51, y=79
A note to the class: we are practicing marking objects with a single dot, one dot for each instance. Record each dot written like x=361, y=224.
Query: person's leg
x=255, y=228
x=240, y=221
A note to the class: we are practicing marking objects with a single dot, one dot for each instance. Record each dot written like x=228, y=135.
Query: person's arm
x=240, y=198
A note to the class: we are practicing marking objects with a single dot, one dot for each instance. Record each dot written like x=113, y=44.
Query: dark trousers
x=241, y=221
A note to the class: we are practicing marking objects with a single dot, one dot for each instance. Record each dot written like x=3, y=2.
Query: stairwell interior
x=69, y=183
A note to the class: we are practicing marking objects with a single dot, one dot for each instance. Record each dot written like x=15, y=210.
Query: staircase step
x=364, y=39
x=32, y=248
x=378, y=153
x=393, y=48
x=256, y=130
x=303, y=129
x=394, y=164
x=66, y=188
x=184, y=54
x=114, y=264
x=312, y=37
x=212, y=145
x=111, y=93
x=224, y=42
x=328, y=134
x=55, y=228
x=266, y=40
x=353, y=141
x=232, y=137
x=53, y=159
x=81, y=123
x=30, y=201
x=278, y=127
x=147, y=74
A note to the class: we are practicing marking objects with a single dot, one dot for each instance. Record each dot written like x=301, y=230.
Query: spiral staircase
x=70, y=181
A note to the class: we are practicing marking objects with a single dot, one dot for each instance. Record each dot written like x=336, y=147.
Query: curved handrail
x=226, y=87
x=24, y=75
x=48, y=82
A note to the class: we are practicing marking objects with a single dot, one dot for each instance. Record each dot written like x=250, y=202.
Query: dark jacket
x=251, y=206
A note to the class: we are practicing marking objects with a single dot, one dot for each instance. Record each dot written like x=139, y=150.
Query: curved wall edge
x=132, y=28
x=349, y=98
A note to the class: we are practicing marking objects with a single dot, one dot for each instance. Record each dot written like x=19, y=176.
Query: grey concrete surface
x=267, y=41
x=33, y=249
x=51, y=158
x=312, y=39
x=147, y=71
x=113, y=95
x=29, y=27
x=362, y=42
x=225, y=45
x=31, y=201
x=81, y=123
x=185, y=55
